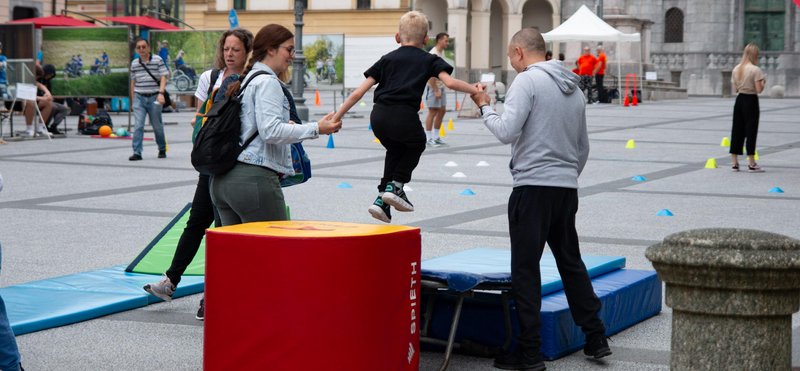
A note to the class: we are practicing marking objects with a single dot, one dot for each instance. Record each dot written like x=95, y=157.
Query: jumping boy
x=401, y=76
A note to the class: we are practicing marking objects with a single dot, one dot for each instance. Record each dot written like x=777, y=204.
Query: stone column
x=457, y=29
x=513, y=23
x=733, y=292
x=479, y=57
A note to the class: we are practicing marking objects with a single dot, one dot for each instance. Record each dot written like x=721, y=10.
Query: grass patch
x=86, y=34
x=115, y=84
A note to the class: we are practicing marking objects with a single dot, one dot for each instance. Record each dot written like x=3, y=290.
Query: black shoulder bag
x=167, y=100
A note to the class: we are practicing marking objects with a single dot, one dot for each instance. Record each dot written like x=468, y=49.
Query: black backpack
x=217, y=144
x=101, y=119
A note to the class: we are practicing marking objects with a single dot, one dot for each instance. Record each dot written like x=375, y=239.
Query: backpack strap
x=241, y=90
x=214, y=76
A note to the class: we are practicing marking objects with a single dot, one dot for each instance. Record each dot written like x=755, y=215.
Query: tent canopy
x=143, y=21
x=55, y=21
x=586, y=26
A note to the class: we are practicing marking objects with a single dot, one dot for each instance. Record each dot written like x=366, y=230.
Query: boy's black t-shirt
x=402, y=74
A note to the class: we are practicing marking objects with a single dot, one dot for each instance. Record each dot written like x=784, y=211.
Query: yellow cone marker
x=711, y=163
x=755, y=156
x=450, y=125
x=376, y=140
x=631, y=144
x=726, y=142
x=441, y=131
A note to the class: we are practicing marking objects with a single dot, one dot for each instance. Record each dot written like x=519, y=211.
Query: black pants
x=537, y=215
x=201, y=216
x=745, y=124
x=601, y=91
x=400, y=132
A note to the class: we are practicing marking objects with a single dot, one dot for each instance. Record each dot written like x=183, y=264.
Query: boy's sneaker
x=201, y=312
x=162, y=289
x=381, y=210
x=755, y=168
x=162, y=154
x=597, y=346
x=430, y=143
x=439, y=142
x=394, y=196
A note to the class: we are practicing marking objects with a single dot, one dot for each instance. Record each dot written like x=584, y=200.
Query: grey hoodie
x=545, y=122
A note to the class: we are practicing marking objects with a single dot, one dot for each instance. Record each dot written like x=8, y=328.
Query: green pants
x=248, y=193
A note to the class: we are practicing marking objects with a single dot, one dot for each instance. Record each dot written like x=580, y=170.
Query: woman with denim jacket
x=251, y=191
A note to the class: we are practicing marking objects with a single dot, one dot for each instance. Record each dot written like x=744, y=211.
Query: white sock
x=398, y=184
x=428, y=134
x=435, y=134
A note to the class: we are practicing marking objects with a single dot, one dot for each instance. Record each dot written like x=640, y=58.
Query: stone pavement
x=76, y=204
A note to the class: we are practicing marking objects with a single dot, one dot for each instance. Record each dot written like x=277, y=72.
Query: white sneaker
x=430, y=143
x=29, y=132
x=41, y=129
x=439, y=142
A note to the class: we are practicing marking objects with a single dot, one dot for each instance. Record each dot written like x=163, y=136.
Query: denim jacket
x=266, y=109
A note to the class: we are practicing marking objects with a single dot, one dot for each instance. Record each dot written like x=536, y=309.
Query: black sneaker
x=201, y=312
x=520, y=360
x=53, y=129
x=395, y=196
x=162, y=154
x=596, y=346
x=135, y=157
x=381, y=210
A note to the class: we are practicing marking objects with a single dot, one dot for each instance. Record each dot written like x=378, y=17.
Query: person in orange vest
x=586, y=64
x=599, y=73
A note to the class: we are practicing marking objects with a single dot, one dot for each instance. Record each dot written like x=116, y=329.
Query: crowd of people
x=549, y=137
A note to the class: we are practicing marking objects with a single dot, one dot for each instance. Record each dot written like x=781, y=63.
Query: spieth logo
x=412, y=296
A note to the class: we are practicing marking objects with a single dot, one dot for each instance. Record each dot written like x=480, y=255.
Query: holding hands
x=480, y=98
x=327, y=125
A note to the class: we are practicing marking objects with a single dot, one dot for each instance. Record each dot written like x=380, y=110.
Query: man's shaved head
x=529, y=39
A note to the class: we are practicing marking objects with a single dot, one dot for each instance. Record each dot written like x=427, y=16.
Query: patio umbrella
x=55, y=21
x=143, y=21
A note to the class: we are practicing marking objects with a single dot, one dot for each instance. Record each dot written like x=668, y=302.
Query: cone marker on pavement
x=441, y=131
x=482, y=164
x=451, y=164
x=344, y=185
x=450, y=124
x=638, y=178
x=330, y=141
x=631, y=144
x=711, y=163
x=664, y=212
x=459, y=175
x=776, y=190
x=726, y=142
x=467, y=192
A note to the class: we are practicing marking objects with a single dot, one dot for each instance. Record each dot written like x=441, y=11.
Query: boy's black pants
x=538, y=214
x=400, y=132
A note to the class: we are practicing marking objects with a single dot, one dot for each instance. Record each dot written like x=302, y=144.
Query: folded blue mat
x=467, y=269
x=627, y=296
x=64, y=300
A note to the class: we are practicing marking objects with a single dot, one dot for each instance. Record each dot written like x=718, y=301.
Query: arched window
x=673, y=26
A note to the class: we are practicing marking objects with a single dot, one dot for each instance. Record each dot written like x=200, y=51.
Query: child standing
x=401, y=76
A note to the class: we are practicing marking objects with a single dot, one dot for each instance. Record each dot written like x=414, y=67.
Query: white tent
x=586, y=26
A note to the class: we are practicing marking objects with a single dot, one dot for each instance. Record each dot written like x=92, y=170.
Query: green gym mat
x=157, y=256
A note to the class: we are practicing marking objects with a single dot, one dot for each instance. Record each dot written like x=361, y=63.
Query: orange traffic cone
x=317, y=101
x=635, y=101
x=458, y=106
x=626, y=102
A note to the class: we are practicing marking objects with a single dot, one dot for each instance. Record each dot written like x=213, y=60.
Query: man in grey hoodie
x=545, y=122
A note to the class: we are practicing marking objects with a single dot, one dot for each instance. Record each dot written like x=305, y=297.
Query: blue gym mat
x=627, y=296
x=59, y=301
x=467, y=269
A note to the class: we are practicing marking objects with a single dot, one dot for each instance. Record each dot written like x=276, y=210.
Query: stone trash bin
x=733, y=292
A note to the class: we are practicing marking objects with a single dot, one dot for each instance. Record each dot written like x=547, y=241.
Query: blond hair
x=413, y=27
x=749, y=56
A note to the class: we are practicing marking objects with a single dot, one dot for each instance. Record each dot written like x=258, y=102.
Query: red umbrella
x=143, y=21
x=55, y=21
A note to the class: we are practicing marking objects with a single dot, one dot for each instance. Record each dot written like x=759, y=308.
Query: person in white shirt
x=435, y=97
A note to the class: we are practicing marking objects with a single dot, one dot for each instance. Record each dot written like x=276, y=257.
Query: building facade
x=694, y=44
